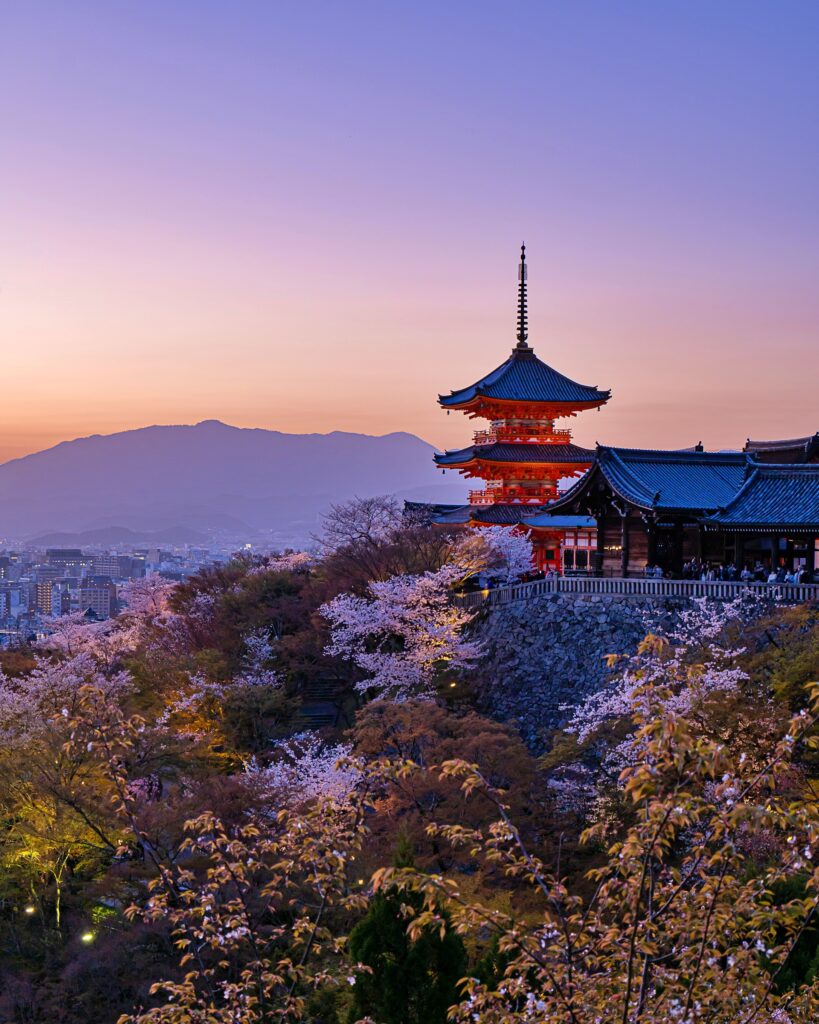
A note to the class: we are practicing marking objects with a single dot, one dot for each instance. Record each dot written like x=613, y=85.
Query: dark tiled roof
x=794, y=442
x=775, y=497
x=426, y=511
x=683, y=481
x=429, y=506
x=797, y=449
x=524, y=378
x=455, y=517
x=489, y=515
x=524, y=452
x=501, y=515
x=699, y=481
x=546, y=519
x=567, y=498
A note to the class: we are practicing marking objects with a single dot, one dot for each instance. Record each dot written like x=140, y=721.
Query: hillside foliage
x=180, y=842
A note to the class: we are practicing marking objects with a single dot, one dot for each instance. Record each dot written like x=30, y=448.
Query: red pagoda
x=521, y=455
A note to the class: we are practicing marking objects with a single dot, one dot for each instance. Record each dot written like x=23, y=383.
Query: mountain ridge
x=203, y=423
x=231, y=482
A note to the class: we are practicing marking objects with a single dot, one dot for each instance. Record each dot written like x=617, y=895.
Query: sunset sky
x=307, y=216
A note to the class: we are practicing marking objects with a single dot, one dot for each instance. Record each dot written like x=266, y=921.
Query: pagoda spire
x=523, y=326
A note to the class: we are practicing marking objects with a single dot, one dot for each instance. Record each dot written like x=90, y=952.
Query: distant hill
x=111, y=536
x=208, y=480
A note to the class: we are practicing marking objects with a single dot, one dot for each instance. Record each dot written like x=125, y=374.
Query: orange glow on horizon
x=203, y=224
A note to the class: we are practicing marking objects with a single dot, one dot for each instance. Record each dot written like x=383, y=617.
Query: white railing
x=524, y=434
x=513, y=496
x=721, y=590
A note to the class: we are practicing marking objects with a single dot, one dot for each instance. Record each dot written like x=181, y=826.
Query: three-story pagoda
x=521, y=455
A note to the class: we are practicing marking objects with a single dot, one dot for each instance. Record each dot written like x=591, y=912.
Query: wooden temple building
x=632, y=509
x=667, y=508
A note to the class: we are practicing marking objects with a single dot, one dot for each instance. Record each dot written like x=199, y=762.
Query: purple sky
x=307, y=216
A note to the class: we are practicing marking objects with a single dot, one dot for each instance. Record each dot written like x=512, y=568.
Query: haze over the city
x=314, y=225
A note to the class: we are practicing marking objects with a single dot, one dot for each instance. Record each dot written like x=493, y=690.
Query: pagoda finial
x=523, y=326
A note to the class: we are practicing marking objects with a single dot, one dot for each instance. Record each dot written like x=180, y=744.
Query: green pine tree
x=411, y=982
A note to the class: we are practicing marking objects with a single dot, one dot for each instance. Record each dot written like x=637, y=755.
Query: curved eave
x=576, y=490
x=501, y=515
x=561, y=469
x=480, y=400
x=724, y=511
x=511, y=454
x=714, y=523
x=626, y=484
x=807, y=446
x=525, y=379
x=582, y=485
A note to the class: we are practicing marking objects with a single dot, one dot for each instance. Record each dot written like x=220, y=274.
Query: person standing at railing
x=692, y=570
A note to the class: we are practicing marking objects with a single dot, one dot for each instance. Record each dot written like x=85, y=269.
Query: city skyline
x=309, y=227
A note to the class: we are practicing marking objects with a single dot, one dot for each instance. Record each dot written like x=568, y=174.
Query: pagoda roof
x=500, y=515
x=457, y=516
x=428, y=510
x=487, y=515
x=797, y=449
x=671, y=481
x=522, y=452
x=774, y=497
x=525, y=378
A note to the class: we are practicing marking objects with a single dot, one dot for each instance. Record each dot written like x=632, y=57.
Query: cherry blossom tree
x=29, y=703
x=200, y=702
x=250, y=904
x=290, y=561
x=693, y=657
x=73, y=633
x=107, y=641
x=694, y=663
x=148, y=599
x=256, y=670
x=146, y=614
x=405, y=633
x=495, y=552
x=677, y=925
x=304, y=767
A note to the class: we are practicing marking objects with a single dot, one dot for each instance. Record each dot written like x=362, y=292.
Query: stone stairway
x=321, y=704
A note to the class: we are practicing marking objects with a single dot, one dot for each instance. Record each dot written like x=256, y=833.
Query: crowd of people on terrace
x=695, y=570
x=710, y=571
x=757, y=573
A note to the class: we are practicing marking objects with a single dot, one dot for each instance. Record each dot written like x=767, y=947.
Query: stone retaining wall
x=550, y=652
